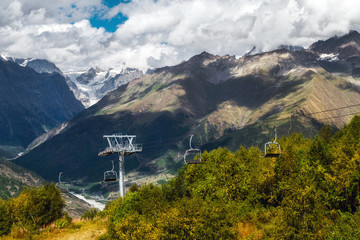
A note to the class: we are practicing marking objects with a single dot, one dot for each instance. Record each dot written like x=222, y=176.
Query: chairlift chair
x=191, y=153
x=274, y=147
x=111, y=175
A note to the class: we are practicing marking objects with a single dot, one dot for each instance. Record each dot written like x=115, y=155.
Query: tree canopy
x=311, y=191
x=31, y=210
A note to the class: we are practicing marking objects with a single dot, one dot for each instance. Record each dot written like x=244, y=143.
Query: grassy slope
x=80, y=230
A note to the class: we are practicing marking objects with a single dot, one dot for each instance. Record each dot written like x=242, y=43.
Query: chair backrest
x=190, y=154
x=276, y=145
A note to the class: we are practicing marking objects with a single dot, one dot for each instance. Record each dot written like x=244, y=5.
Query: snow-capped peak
x=91, y=85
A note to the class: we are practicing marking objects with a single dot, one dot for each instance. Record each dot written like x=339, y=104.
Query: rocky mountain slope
x=31, y=103
x=223, y=100
x=340, y=54
x=90, y=86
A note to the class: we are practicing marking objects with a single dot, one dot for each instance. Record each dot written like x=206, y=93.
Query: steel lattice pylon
x=124, y=146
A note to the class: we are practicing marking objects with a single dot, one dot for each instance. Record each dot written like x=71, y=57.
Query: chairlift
x=272, y=149
x=111, y=175
x=191, y=154
x=61, y=185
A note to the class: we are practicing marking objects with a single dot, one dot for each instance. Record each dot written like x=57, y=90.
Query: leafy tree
x=325, y=133
x=346, y=227
x=6, y=218
x=90, y=214
x=37, y=207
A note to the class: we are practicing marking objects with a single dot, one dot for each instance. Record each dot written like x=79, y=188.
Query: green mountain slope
x=224, y=101
x=14, y=178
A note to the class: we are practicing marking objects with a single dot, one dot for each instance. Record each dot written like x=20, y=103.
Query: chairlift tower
x=124, y=146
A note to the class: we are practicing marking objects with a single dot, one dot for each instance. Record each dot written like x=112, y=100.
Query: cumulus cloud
x=165, y=32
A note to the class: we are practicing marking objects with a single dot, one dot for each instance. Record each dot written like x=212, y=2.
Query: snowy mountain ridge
x=90, y=86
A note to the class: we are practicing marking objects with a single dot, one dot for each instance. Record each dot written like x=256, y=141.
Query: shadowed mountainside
x=31, y=103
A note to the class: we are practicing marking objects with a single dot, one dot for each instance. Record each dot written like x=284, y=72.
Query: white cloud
x=165, y=32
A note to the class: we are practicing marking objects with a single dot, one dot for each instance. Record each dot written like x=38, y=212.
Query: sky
x=147, y=34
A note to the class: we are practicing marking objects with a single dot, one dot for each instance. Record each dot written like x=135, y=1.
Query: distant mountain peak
x=39, y=65
x=95, y=69
x=354, y=33
x=91, y=85
x=4, y=58
x=332, y=44
x=291, y=48
x=202, y=56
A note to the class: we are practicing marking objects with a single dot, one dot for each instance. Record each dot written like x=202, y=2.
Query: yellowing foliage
x=312, y=191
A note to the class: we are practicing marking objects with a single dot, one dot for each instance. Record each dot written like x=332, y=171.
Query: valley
x=179, y=119
x=222, y=100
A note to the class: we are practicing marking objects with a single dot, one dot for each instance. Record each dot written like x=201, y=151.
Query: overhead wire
x=333, y=109
x=318, y=112
x=171, y=141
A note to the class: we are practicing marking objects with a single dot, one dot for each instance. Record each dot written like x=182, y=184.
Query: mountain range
x=222, y=100
x=88, y=86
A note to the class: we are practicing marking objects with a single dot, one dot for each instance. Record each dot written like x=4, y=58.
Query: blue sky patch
x=113, y=3
x=110, y=25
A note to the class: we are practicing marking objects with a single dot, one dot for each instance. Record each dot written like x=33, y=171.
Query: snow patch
x=331, y=57
x=4, y=58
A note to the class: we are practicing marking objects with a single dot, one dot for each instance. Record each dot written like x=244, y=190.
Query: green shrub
x=90, y=214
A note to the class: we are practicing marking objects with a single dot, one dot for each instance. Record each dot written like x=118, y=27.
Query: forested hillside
x=311, y=191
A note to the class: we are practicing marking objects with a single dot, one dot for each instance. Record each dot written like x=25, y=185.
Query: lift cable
x=171, y=141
